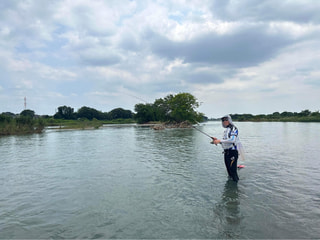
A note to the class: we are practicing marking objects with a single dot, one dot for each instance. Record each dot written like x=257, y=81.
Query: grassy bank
x=84, y=123
x=28, y=125
x=73, y=124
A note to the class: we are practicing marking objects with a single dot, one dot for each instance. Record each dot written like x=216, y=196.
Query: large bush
x=177, y=108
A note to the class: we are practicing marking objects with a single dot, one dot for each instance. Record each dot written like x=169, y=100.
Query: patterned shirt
x=230, y=138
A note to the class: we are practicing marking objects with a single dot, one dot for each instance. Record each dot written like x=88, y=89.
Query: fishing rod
x=136, y=97
x=202, y=132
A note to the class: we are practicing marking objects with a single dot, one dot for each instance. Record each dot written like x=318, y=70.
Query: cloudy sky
x=234, y=56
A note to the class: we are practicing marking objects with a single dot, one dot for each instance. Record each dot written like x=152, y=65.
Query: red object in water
x=240, y=166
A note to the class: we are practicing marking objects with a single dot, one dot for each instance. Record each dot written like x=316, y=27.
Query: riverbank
x=25, y=125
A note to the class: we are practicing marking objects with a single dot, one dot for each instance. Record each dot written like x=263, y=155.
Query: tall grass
x=20, y=125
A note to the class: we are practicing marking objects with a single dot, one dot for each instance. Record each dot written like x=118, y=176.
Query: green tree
x=89, y=113
x=144, y=113
x=315, y=114
x=161, y=109
x=177, y=108
x=286, y=114
x=65, y=112
x=120, y=113
x=4, y=118
x=182, y=108
x=106, y=116
x=28, y=113
x=304, y=113
x=275, y=115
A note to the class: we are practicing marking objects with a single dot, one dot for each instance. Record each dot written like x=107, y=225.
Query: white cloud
x=234, y=56
x=39, y=70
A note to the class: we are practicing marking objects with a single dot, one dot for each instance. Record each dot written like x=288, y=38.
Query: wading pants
x=231, y=161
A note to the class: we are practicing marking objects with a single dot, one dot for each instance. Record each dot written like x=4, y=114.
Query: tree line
x=173, y=108
x=65, y=112
x=303, y=116
x=28, y=122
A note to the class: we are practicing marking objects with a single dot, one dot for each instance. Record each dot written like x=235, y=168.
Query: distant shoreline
x=31, y=126
x=303, y=116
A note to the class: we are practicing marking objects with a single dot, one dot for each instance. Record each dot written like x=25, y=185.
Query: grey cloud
x=94, y=52
x=267, y=90
x=129, y=42
x=170, y=84
x=203, y=78
x=274, y=10
x=244, y=48
x=7, y=5
x=201, y=74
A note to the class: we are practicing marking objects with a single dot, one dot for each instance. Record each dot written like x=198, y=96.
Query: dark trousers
x=231, y=161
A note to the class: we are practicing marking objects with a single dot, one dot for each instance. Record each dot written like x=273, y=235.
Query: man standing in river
x=229, y=145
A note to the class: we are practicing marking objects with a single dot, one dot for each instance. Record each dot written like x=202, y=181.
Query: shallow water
x=134, y=182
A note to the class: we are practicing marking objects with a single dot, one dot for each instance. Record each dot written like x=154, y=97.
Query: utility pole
x=25, y=103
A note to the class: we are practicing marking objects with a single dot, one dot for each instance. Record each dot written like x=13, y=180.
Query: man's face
x=225, y=123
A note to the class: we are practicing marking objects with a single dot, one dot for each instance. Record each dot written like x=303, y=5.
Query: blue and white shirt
x=230, y=138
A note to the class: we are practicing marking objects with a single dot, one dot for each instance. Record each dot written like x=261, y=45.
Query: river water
x=136, y=182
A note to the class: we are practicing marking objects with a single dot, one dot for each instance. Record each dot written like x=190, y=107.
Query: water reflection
x=227, y=212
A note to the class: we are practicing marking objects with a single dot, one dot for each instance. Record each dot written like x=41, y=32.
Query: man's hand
x=215, y=141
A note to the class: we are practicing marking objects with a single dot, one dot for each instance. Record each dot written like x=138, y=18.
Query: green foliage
x=304, y=113
x=23, y=124
x=183, y=107
x=22, y=120
x=65, y=112
x=28, y=113
x=118, y=113
x=7, y=124
x=144, y=113
x=4, y=118
x=176, y=108
x=89, y=113
x=161, y=108
x=66, y=118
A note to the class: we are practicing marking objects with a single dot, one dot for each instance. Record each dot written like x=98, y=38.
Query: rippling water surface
x=134, y=182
